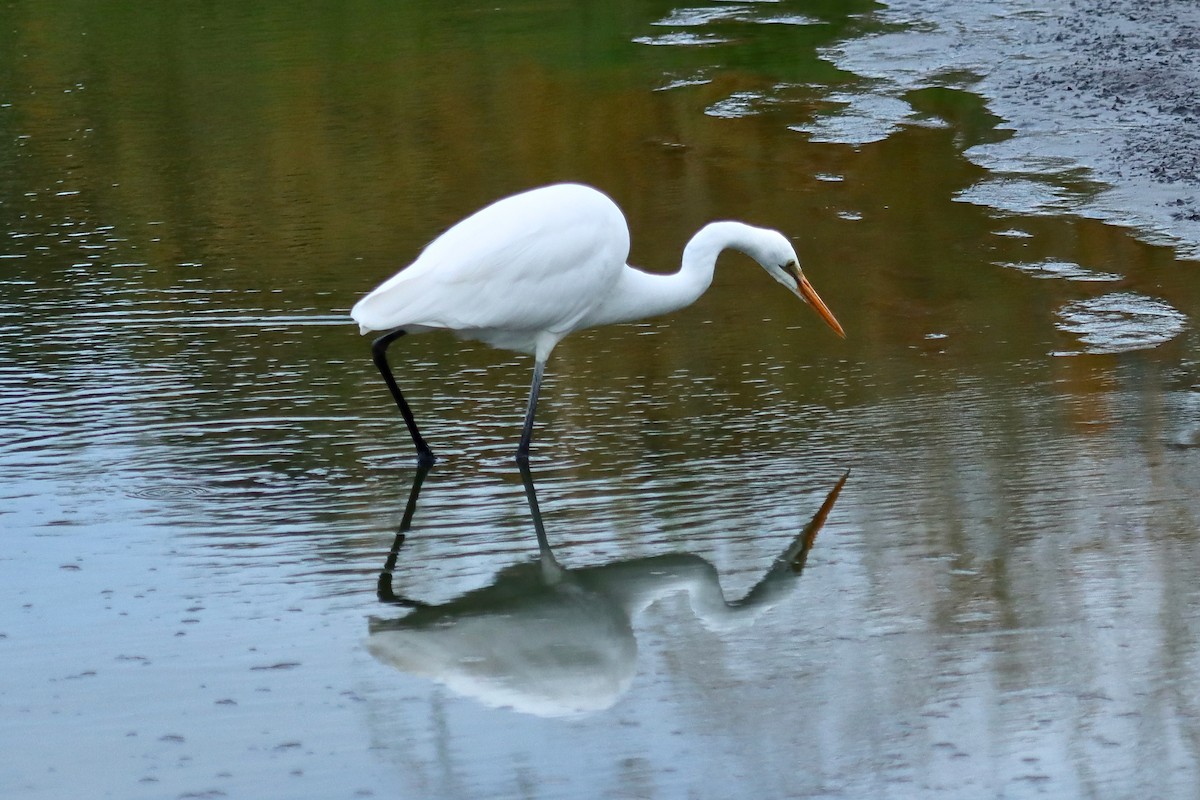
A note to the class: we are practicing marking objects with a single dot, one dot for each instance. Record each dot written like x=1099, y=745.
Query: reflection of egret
x=526, y=271
x=552, y=641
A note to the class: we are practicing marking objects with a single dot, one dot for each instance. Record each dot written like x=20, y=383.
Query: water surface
x=201, y=476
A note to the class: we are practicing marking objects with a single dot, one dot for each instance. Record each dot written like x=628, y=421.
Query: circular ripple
x=169, y=492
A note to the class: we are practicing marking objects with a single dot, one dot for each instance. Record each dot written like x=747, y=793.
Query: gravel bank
x=1103, y=97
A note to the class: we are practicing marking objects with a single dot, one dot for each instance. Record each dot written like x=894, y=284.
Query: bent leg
x=379, y=348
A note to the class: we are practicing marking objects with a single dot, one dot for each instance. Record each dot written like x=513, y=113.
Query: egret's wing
x=536, y=261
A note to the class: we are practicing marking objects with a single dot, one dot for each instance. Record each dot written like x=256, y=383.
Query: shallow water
x=201, y=476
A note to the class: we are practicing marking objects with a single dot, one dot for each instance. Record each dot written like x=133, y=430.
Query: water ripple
x=1064, y=270
x=682, y=39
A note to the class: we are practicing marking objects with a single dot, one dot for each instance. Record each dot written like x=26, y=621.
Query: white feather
x=527, y=266
x=529, y=269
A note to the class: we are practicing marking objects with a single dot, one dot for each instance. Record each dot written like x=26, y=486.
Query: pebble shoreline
x=1109, y=88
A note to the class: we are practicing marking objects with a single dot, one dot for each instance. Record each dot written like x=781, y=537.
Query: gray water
x=202, y=476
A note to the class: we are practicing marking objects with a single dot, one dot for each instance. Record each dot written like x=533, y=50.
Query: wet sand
x=1109, y=86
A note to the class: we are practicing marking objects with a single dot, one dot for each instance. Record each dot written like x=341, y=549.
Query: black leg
x=552, y=572
x=527, y=430
x=379, y=348
x=535, y=511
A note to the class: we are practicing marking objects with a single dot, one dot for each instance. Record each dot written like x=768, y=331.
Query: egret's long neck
x=642, y=294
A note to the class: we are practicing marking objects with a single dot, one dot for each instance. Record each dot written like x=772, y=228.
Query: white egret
x=527, y=270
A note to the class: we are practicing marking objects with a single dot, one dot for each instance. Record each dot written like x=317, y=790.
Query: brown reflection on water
x=191, y=196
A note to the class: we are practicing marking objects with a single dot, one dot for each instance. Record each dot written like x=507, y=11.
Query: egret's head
x=778, y=258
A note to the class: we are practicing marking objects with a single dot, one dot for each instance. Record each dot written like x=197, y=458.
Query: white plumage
x=527, y=270
x=530, y=265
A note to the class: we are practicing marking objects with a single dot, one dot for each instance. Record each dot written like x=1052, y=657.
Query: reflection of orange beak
x=814, y=527
x=806, y=291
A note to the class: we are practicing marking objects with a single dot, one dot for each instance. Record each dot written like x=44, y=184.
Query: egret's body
x=527, y=270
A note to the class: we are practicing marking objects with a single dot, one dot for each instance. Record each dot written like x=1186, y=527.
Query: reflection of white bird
x=526, y=271
x=552, y=641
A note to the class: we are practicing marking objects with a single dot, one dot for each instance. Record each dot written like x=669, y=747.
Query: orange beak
x=810, y=296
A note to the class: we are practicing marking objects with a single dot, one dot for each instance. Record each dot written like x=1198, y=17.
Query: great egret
x=527, y=270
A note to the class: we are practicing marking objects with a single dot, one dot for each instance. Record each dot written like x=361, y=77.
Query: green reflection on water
x=283, y=158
